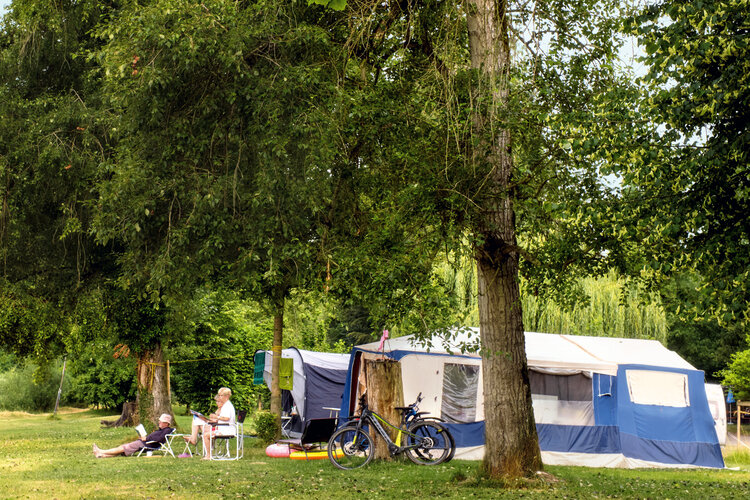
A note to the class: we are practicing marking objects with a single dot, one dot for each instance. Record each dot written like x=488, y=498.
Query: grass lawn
x=44, y=458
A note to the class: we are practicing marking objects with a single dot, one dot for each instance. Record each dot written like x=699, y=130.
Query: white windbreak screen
x=658, y=388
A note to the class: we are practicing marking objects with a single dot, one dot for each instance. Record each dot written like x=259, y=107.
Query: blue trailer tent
x=598, y=401
x=317, y=383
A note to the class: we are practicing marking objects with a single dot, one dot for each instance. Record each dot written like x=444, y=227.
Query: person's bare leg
x=193, y=438
x=112, y=452
x=206, y=444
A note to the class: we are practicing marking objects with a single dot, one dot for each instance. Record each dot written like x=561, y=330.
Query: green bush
x=266, y=427
x=737, y=375
x=31, y=388
x=98, y=379
x=217, y=351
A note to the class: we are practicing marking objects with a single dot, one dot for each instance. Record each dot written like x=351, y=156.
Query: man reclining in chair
x=158, y=436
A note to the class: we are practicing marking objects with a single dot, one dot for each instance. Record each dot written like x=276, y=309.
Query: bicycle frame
x=423, y=443
x=376, y=421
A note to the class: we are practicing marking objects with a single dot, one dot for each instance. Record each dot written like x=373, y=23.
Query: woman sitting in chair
x=127, y=449
x=224, y=415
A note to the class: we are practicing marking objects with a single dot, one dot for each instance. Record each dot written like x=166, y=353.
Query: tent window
x=564, y=387
x=647, y=387
x=562, y=399
x=460, y=384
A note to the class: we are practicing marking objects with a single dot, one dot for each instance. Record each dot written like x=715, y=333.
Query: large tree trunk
x=385, y=390
x=278, y=335
x=153, y=393
x=512, y=447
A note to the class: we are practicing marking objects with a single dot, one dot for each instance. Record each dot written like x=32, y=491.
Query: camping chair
x=317, y=431
x=286, y=425
x=188, y=450
x=223, y=449
x=164, y=448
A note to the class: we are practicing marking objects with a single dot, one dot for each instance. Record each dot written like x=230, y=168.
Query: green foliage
x=737, y=375
x=218, y=352
x=331, y=4
x=138, y=322
x=706, y=343
x=352, y=326
x=687, y=183
x=31, y=388
x=606, y=307
x=50, y=145
x=29, y=325
x=98, y=379
x=219, y=336
x=266, y=426
x=307, y=317
x=186, y=78
x=7, y=360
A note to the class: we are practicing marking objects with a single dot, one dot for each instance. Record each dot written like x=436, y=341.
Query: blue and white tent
x=598, y=401
x=317, y=383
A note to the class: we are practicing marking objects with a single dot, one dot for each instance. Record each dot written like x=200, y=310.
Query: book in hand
x=141, y=430
x=199, y=415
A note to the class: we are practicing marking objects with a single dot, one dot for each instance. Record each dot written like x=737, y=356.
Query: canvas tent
x=315, y=380
x=598, y=401
x=718, y=408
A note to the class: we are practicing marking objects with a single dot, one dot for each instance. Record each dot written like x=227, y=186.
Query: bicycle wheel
x=451, y=441
x=429, y=445
x=350, y=448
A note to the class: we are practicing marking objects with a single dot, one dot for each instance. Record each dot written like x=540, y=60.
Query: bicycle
x=351, y=447
x=411, y=415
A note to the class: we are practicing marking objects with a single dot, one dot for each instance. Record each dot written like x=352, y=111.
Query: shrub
x=737, y=375
x=30, y=388
x=98, y=379
x=266, y=427
x=217, y=351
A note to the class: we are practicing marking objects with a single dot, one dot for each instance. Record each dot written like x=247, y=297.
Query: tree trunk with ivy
x=511, y=443
x=153, y=394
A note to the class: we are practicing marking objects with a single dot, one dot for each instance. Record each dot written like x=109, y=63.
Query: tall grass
x=739, y=457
